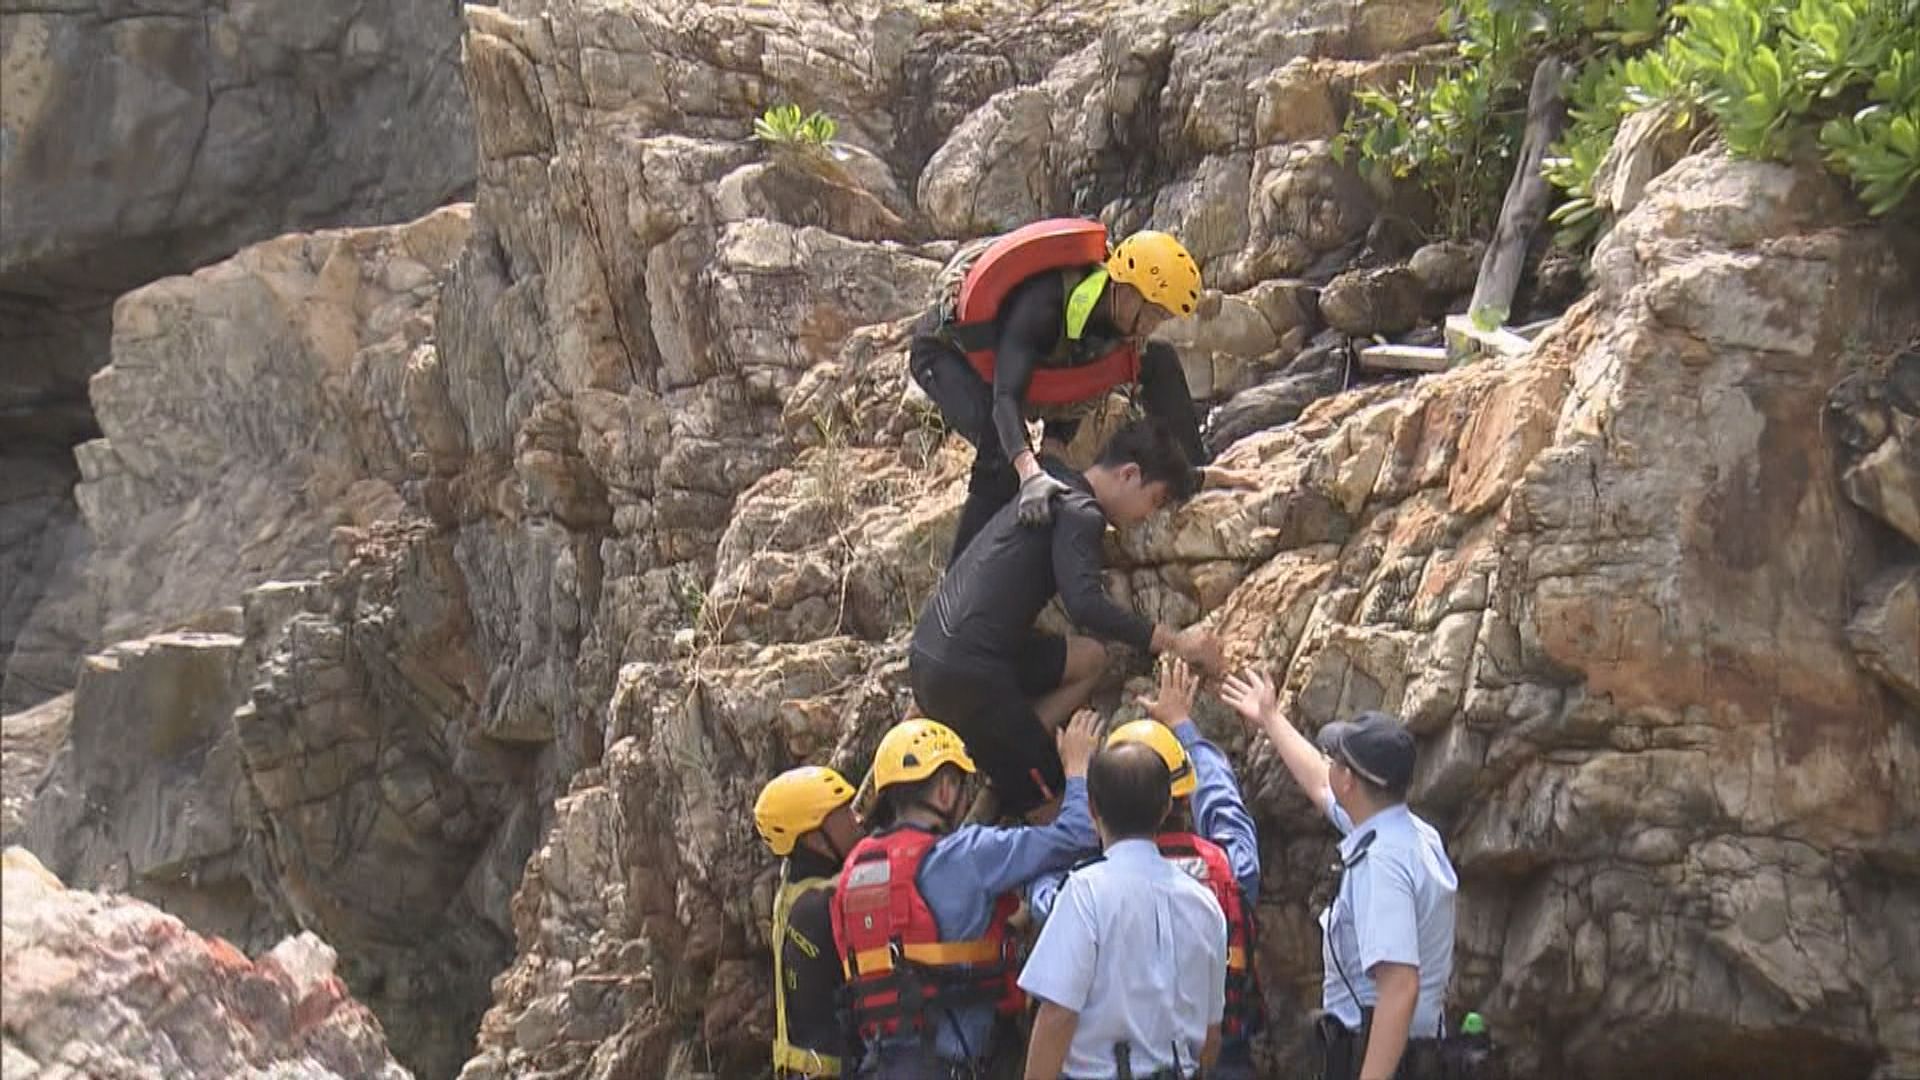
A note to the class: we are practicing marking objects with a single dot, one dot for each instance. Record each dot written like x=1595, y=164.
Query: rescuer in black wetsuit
x=980, y=666
x=805, y=817
x=1060, y=319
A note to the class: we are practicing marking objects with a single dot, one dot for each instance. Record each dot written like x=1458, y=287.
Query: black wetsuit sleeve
x=1078, y=561
x=1163, y=384
x=1030, y=325
x=814, y=1020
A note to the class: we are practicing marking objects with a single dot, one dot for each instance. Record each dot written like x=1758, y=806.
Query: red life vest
x=890, y=946
x=1053, y=244
x=1207, y=863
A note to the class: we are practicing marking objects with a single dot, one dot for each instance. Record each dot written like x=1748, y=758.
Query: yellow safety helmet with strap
x=914, y=750
x=1160, y=267
x=1164, y=742
x=796, y=802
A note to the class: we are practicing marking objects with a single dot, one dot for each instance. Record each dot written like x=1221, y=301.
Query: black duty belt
x=1343, y=1051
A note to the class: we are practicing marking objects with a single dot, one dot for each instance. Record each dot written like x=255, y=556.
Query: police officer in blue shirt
x=1130, y=970
x=1388, y=936
x=1206, y=802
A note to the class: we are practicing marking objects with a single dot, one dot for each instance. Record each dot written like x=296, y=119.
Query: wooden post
x=1526, y=202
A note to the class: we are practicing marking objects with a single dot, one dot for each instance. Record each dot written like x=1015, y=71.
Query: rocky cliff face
x=148, y=138
x=482, y=568
x=105, y=986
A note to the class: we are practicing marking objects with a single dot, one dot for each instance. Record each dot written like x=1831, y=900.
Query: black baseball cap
x=1376, y=746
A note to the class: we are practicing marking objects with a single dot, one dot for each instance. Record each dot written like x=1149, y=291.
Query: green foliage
x=787, y=125
x=1455, y=137
x=1776, y=78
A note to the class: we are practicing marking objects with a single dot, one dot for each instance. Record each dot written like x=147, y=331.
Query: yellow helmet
x=796, y=802
x=1159, y=266
x=1161, y=738
x=914, y=750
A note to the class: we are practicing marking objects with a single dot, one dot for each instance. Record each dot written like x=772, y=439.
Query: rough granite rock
x=149, y=138
x=1366, y=302
x=254, y=406
x=1885, y=632
x=289, y=116
x=43, y=548
x=29, y=739
x=655, y=502
x=1576, y=624
x=149, y=742
x=106, y=986
x=1886, y=480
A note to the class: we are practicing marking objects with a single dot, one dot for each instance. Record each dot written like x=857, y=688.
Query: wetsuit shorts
x=989, y=704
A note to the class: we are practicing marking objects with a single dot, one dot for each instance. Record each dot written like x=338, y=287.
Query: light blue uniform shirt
x=961, y=877
x=1138, y=949
x=1219, y=814
x=1394, y=905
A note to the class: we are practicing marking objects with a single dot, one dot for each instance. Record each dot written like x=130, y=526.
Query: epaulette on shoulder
x=1091, y=860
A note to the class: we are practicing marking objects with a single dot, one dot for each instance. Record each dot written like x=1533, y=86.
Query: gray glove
x=1035, y=505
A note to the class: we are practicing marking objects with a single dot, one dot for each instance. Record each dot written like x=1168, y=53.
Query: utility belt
x=1456, y=1057
x=1124, y=1070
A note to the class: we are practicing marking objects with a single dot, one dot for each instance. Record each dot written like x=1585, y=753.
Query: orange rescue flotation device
x=1053, y=244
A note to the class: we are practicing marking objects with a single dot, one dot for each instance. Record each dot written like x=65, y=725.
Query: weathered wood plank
x=1525, y=206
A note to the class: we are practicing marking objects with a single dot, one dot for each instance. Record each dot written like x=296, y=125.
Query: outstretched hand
x=1078, y=741
x=1251, y=694
x=1199, y=647
x=1172, y=702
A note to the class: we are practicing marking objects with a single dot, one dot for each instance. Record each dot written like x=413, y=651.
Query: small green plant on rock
x=786, y=125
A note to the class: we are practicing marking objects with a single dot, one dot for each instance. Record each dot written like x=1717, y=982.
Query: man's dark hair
x=1130, y=788
x=891, y=803
x=1150, y=444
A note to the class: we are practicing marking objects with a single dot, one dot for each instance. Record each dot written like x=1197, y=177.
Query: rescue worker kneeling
x=920, y=916
x=804, y=815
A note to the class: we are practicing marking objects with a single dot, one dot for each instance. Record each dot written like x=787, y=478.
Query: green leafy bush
x=787, y=125
x=1775, y=78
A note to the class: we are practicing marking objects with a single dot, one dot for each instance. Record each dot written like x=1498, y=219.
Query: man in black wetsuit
x=977, y=662
x=1054, y=320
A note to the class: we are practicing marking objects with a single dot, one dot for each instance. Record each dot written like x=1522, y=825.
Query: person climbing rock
x=1387, y=948
x=980, y=666
x=1043, y=323
x=1209, y=834
x=804, y=816
x=921, y=914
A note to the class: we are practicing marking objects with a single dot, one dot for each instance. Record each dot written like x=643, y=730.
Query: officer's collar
x=1133, y=849
x=1382, y=819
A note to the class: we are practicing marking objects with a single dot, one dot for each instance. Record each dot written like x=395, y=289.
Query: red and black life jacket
x=896, y=964
x=1056, y=244
x=1207, y=863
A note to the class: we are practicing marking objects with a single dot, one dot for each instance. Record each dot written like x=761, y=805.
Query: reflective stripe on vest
x=1207, y=863
x=787, y=1056
x=890, y=948
x=1082, y=299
